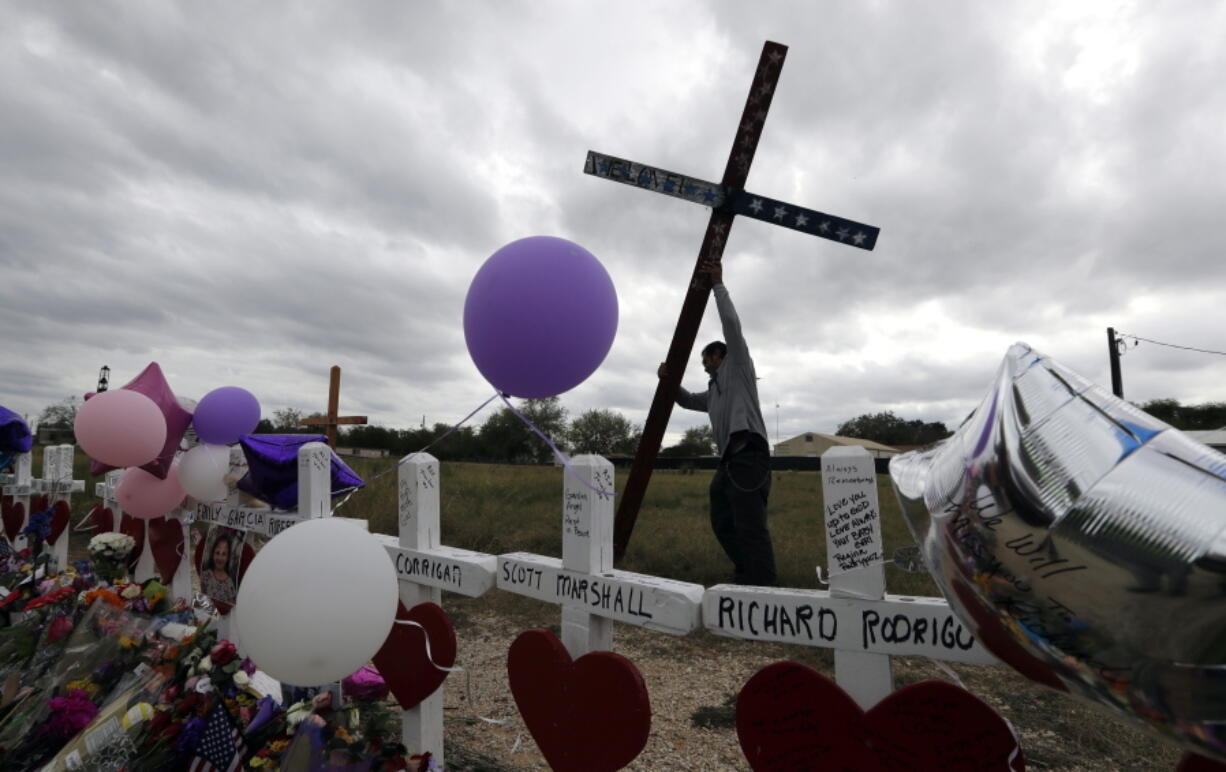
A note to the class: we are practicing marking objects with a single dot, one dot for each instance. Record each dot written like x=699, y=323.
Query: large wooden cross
x=332, y=420
x=727, y=199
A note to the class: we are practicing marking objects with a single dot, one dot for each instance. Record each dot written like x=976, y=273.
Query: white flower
x=111, y=544
x=297, y=712
x=241, y=678
x=205, y=665
x=204, y=685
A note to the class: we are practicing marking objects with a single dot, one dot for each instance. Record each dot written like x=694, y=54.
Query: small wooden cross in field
x=332, y=420
x=727, y=199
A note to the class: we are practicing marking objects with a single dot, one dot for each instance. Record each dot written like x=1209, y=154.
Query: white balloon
x=317, y=602
x=202, y=472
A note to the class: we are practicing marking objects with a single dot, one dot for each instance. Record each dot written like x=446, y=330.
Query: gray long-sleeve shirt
x=731, y=399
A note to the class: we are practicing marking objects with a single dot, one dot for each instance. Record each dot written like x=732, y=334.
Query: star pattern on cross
x=802, y=220
x=756, y=206
x=859, y=238
x=780, y=212
x=708, y=195
x=824, y=227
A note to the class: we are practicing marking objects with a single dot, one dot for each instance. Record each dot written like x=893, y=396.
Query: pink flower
x=366, y=684
x=59, y=627
x=223, y=652
x=70, y=714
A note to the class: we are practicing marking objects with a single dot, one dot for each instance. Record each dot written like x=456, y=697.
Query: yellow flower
x=126, y=642
x=344, y=735
x=85, y=685
x=258, y=762
x=276, y=746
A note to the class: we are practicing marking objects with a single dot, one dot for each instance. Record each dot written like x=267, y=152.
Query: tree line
x=503, y=437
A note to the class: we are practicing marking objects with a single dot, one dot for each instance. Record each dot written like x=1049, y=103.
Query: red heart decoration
x=134, y=527
x=1194, y=762
x=198, y=561
x=60, y=517
x=403, y=661
x=13, y=513
x=101, y=519
x=166, y=544
x=587, y=715
x=38, y=503
x=789, y=716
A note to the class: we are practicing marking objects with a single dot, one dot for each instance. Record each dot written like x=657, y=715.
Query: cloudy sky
x=251, y=193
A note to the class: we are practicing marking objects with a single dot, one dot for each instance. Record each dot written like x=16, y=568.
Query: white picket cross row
x=425, y=568
x=855, y=617
x=56, y=483
x=584, y=583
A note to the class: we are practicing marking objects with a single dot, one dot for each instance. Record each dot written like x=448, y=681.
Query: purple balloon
x=223, y=415
x=540, y=317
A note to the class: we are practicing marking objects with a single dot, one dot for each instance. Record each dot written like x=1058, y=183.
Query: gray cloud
x=252, y=194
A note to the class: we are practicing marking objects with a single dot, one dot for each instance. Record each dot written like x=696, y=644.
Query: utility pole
x=1113, y=354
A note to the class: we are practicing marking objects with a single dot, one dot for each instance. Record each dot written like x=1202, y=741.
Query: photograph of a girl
x=220, y=566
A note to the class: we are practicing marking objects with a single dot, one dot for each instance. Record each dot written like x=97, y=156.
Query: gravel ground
x=702, y=673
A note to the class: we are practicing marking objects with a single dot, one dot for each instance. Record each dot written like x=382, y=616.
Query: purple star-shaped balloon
x=153, y=385
x=14, y=433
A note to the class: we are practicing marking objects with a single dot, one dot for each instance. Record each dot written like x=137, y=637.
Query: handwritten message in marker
x=853, y=517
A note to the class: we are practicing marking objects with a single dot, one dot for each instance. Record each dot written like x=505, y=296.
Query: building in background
x=1214, y=438
x=813, y=444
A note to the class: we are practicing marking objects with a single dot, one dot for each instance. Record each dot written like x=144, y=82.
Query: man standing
x=742, y=482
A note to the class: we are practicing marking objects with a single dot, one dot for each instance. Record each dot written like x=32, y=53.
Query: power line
x=1172, y=345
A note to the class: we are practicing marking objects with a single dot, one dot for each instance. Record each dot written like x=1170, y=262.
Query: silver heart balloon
x=1084, y=542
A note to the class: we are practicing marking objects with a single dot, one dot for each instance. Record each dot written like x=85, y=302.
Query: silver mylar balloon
x=1084, y=542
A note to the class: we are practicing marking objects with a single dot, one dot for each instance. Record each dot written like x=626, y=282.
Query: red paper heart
x=789, y=716
x=403, y=660
x=134, y=527
x=101, y=519
x=166, y=544
x=588, y=715
x=1194, y=762
x=222, y=607
x=38, y=503
x=13, y=513
x=60, y=517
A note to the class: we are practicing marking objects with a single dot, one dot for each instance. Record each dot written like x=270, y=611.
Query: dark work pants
x=739, y=491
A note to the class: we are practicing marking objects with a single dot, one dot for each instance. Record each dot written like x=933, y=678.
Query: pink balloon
x=120, y=428
x=143, y=495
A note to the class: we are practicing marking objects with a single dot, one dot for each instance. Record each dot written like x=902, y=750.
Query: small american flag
x=221, y=746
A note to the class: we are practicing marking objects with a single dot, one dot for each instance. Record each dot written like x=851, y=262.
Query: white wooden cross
x=314, y=500
x=19, y=485
x=425, y=568
x=584, y=583
x=855, y=617
x=56, y=483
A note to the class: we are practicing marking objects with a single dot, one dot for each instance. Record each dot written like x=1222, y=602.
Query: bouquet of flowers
x=110, y=552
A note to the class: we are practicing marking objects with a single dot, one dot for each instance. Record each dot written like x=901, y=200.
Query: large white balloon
x=202, y=472
x=317, y=602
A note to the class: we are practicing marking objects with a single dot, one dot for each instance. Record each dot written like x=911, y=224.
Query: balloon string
x=429, y=654
x=88, y=516
x=354, y=489
x=561, y=457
